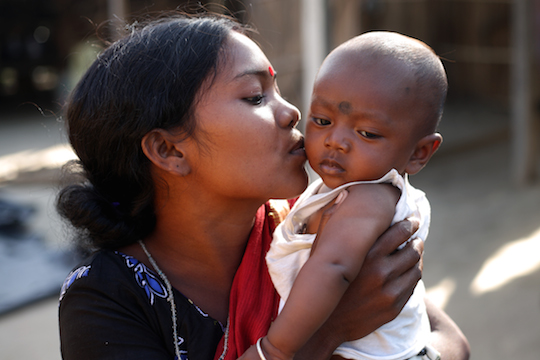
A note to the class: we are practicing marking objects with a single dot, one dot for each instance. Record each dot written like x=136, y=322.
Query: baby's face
x=362, y=120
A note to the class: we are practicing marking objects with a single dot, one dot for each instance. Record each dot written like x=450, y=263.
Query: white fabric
x=401, y=338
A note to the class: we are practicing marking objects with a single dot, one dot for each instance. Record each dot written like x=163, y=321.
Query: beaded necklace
x=170, y=297
x=170, y=300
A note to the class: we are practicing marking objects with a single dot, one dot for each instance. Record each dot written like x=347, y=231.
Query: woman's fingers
x=400, y=283
x=384, y=284
x=396, y=235
x=410, y=256
x=394, y=273
x=388, y=262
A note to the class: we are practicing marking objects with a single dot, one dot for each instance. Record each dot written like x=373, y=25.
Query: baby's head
x=376, y=104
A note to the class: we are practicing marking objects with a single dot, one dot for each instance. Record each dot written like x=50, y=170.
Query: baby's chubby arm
x=337, y=256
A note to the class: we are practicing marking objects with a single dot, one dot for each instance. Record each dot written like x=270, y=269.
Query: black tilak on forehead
x=345, y=107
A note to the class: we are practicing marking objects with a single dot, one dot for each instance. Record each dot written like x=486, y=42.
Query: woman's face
x=250, y=148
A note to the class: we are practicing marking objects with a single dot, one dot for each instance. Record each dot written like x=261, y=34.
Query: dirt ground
x=483, y=250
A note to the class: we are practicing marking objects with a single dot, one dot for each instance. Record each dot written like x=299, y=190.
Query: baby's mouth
x=331, y=167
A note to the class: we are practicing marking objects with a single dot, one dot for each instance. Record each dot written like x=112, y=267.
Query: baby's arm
x=340, y=250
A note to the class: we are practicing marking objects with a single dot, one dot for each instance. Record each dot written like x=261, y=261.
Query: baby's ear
x=166, y=151
x=425, y=148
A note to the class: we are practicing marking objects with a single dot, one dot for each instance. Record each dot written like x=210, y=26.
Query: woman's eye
x=321, y=122
x=255, y=100
x=368, y=135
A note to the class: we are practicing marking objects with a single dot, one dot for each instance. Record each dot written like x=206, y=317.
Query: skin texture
x=208, y=190
x=345, y=107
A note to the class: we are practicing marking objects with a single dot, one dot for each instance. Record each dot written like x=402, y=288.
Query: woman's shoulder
x=111, y=297
x=123, y=279
x=92, y=270
x=117, y=275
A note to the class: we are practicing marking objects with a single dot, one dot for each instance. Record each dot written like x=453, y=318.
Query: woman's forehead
x=242, y=62
x=243, y=57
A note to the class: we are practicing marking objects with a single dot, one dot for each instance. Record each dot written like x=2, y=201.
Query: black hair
x=149, y=79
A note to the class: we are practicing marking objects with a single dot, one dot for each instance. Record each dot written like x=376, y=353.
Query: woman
x=183, y=138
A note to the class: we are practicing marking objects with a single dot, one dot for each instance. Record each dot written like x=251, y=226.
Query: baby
x=376, y=104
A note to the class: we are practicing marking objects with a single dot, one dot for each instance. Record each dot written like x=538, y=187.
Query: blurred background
x=483, y=255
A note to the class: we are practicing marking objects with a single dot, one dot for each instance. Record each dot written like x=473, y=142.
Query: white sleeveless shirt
x=402, y=337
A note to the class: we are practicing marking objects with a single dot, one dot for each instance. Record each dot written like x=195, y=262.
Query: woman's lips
x=331, y=167
x=298, y=148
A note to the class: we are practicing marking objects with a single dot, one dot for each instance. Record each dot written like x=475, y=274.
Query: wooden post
x=523, y=127
x=116, y=12
x=313, y=44
x=345, y=21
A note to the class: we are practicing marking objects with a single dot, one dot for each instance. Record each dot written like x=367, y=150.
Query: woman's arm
x=95, y=325
x=446, y=336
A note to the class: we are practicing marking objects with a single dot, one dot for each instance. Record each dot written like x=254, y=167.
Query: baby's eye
x=255, y=100
x=321, y=122
x=368, y=135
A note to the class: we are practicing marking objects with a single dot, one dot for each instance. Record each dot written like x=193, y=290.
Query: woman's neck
x=199, y=248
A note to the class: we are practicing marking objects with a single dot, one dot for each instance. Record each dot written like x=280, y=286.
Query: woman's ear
x=166, y=151
x=425, y=148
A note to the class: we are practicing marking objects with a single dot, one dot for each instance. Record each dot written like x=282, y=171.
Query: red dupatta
x=253, y=302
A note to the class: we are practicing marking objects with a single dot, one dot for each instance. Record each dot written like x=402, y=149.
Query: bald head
x=398, y=56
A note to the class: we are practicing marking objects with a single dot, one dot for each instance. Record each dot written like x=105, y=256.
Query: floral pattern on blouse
x=137, y=279
x=74, y=275
x=146, y=279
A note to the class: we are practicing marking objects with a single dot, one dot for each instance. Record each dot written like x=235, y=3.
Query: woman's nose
x=288, y=115
x=337, y=140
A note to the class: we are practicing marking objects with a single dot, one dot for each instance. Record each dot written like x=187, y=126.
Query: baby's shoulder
x=373, y=192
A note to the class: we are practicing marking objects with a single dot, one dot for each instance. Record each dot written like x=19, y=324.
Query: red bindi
x=271, y=71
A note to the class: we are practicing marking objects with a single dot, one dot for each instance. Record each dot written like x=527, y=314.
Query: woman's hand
x=383, y=286
x=381, y=289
